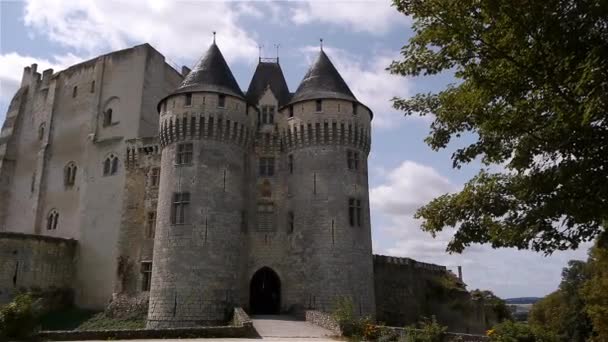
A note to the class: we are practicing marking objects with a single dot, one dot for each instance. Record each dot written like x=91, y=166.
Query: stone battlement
x=327, y=133
x=204, y=126
x=141, y=146
x=385, y=259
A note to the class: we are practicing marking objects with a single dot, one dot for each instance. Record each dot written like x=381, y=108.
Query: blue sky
x=361, y=38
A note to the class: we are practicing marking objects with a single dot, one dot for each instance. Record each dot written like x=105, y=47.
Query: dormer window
x=319, y=104
x=268, y=115
x=221, y=101
x=188, y=100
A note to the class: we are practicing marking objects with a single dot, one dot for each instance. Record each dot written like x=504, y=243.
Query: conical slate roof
x=323, y=81
x=268, y=74
x=211, y=73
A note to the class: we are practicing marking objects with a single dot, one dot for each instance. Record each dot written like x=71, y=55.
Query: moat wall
x=408, y=290
x=30, y=261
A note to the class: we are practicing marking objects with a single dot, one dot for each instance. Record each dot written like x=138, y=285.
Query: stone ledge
x=323, y=320
x=202, y=332
x=22, y=236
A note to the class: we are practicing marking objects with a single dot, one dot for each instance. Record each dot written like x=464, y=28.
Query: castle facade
x=122, y=176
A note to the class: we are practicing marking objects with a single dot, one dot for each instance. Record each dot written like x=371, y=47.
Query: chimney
x=185, y=71
x=460, y=273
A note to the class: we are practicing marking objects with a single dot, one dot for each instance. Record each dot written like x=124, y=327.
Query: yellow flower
x=490, y=332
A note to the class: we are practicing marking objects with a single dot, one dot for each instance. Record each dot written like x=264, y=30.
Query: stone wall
x=407, y=290
x=323, y=319
x=31, y=261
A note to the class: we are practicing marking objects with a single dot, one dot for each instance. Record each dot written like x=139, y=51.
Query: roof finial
x=260, y=52
x=213, y=37
x=321, y=40
x=277, y=46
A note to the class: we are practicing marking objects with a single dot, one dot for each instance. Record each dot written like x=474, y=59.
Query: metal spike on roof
x=268, y=74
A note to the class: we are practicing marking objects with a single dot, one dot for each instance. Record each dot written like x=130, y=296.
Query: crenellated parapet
x=326, y=132
x=385, y=259
x=137, y=148
x=203, y=127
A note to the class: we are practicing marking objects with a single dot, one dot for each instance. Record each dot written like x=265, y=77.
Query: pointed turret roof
x=211, y=73
x=268, y=74
x=323, y=81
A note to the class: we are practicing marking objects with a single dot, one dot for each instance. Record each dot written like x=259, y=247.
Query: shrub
x=427, y=330
x=17, y=318
x=509, y=331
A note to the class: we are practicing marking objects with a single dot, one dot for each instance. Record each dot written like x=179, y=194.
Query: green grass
x=101, y=322
x=68, y=319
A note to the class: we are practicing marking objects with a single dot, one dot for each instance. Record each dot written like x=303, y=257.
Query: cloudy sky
x=361, y=38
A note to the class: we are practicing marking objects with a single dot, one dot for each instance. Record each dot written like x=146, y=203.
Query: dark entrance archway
x=265, y=292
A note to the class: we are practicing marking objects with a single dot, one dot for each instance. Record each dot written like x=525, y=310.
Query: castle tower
x=326, y=135
x=204, y=133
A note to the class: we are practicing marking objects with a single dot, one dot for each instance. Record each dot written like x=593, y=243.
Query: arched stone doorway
x=265, y=292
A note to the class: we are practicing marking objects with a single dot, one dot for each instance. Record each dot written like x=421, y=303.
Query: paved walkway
x=289, y=327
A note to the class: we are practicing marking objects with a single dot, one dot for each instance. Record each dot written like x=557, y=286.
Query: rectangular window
x=267, y=166
x=354, y=212
x=179, y=208
x=154, y=176
x=290, y=221
x=221, y=101
x=93, y=87
x=188, y=100
x=352, y=160
x=267, y=115
x=355, y=108
x=271, y=115
x=291, y=111
x=319, y=105
x=184, y=154
x=290, y=163
x=74, y=91
x=151, y=225
x=146, y=275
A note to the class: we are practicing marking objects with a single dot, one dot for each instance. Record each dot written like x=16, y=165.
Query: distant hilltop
x=523, y=300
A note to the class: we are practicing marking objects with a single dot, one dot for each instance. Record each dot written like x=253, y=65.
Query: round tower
x=204, y=132
x=326, y=133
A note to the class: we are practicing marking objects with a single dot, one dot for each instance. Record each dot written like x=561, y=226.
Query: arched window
x=69, y=174
x=107, y=117
x=110, y=165
x=52, y=220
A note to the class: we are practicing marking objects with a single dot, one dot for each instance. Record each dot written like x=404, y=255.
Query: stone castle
x=120, y=176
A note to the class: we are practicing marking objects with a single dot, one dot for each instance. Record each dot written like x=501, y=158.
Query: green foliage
x=595, y=290
x=531, y=92
x=490, y=300
x=427, y=330
x=343, y=310
x=509, y=331
x=66, y=319
x=17, y=318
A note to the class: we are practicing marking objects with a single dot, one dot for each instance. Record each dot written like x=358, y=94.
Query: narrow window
x=338, y=108
x=355, y=107
x=92, y=87
x=221, y=101
x=146, y=275
x=164, y=106
x=351, y=211
x=107, y=164
x=319, y=104
x=114, y=166
x=41, y=131
x=271, y=115
x=358, y=211
x=259, y=119
x=266, y=166
x=188, y=100
x=69, y=177
x=52, y=220
x=33, y=183
x=290, y=221
x=154, y=176
x=291, y=111
x=356, y=160
x=290, y=163
x=151, y=225
x=74, y=91
x=107, y=117
x=179, y=208
x=264, y=115
x=184, y=154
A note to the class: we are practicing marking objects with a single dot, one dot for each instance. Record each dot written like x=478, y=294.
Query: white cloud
x=179, y=29
x=12, y=64
x=373, y=16
x=507, y=272
x=369, y=81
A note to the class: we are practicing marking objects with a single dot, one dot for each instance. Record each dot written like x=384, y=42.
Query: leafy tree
x=498, y=306
x=595, y=290
x=532, y=84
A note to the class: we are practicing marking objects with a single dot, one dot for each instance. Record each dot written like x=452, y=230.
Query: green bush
x=509, y=331
x=427, y=330
x=17, y=318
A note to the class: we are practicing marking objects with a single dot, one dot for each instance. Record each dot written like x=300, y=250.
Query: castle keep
x=120, y=176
